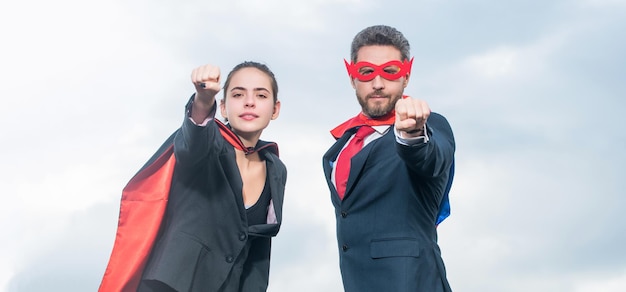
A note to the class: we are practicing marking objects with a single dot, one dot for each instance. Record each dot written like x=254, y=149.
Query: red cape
x=143, y=204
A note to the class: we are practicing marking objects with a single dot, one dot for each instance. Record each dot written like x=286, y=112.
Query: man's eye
x=236, y=94
x=366, y=71
x=262, y=96
x=392, y=70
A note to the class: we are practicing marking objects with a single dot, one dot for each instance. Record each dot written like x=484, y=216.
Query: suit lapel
x=276, y=189
x=356, y=166
x=359, y=160
x=276, y=186
x=231, y=170
x=330, y=158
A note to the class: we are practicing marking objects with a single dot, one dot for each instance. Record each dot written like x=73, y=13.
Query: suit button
x=344, y=214
x=344, y=247
x=242, y=236
x=229, y=259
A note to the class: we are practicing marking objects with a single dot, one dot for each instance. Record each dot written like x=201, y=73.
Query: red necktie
x=342, y=170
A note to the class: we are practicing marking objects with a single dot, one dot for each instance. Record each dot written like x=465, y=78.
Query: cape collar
x=361, y=120
x=234, y=140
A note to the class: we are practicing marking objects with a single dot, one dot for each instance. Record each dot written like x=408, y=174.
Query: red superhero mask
x=366, y=71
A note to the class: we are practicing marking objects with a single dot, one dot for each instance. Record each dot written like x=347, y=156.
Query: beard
x=379, y=109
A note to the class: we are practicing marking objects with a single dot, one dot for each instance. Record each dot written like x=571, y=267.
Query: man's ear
x=406, y=80
x=352, y=82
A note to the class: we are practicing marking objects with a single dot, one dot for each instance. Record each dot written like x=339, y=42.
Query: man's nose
x=378, y=82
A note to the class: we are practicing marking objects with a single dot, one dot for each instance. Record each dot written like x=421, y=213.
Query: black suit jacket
x=205, y=243
x=386, y=223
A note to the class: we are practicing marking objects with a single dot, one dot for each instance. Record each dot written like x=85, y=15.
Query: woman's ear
x=276, y=110
x=223, y=110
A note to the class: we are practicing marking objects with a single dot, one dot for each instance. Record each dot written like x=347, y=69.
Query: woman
x=219, y=194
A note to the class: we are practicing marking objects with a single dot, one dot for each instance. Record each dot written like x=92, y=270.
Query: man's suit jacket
x=386, y=223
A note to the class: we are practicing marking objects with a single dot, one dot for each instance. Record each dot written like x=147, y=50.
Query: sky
x=534, y=91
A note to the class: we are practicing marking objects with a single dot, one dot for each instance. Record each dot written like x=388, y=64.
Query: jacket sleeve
x=194, y=142
x=434, y=158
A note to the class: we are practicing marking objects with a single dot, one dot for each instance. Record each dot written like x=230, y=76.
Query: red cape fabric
x=144, y=200
x=143, y=204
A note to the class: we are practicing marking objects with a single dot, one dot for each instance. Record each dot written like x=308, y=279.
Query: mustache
x=378, y=93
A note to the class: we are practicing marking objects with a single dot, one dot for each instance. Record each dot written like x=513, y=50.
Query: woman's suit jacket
x=386, y=223
x=182, y=220
x=205, y=243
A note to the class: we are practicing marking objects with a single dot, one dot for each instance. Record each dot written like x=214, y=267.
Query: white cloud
x=603, y=3
x=614, y=282
x=501, y=62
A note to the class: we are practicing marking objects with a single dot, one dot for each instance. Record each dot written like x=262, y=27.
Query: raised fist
x=411, y=116
x=206, y=79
